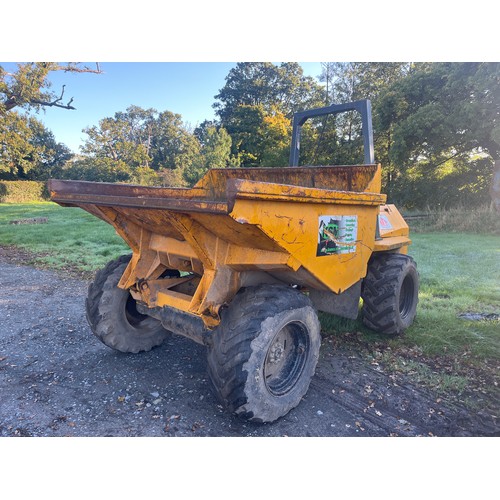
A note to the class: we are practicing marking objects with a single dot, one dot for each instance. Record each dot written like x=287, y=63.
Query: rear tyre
x=112, y=313
x=390, y=293
x=264, y=352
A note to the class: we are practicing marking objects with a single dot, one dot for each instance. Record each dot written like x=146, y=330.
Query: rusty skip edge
x=75, y=193
x=255, y=190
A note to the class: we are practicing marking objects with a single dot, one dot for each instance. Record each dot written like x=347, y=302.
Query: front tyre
x=264, y=352
x=390, y=293
x=112, y=313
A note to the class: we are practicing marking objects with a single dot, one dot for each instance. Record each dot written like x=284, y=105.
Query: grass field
x=459, y=273
x=71, y=237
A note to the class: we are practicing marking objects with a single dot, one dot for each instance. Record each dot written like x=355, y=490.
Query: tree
x=444, y=113
x=282, y=88
x=98, y=169
x=172, y=145
x=29, y=87
x=115, y=140
x=256, y=106
x=245, y=125
x=28, y=150
x=277, y=135
x=215, y=147
x=51, y=155
x=442, y=107
x=139, y=145
x=215, y=152
x=16, y=151
x=340, y=136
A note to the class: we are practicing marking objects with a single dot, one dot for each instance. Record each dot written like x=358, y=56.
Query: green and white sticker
x=337, y=234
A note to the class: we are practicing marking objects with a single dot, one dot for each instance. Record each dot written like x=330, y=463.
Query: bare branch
x=30, y=82
x=10, y=103
x=55, y=102
x=74, y=68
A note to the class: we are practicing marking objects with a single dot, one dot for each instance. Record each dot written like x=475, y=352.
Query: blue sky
x=199, y=31
x=186, y=88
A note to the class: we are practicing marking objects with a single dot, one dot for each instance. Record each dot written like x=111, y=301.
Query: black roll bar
x=364, y=107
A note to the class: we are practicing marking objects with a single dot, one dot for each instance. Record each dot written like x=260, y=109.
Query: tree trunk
x=495, y=186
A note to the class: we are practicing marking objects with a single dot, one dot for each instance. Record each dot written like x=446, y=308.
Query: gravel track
x=57, y=379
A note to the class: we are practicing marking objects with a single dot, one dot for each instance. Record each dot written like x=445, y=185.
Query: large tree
x=215, y=152
x=282, y=88
x=148, y=147
x=256, y=106
x=444, y=119
x=28, y=150
x=444, y=109
x=171, y=144
x=117, y=149
x=116, y=139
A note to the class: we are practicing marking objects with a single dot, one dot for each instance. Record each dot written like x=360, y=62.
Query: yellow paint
x=238, y=221
x=295, y=227
x=173, y=299
x=386, y=244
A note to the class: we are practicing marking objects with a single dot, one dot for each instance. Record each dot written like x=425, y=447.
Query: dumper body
x=310, y=227
x=242, y=262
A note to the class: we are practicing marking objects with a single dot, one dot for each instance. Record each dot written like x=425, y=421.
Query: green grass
x=459, y=272
x=72, y=238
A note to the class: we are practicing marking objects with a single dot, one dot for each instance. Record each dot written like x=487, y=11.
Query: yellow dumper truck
x=242, y=262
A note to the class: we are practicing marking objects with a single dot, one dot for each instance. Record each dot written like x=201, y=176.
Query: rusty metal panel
x=295, y=227
x=358, y=178
x=121, y=195
x=254, y=190
x=391, y=243
x=391, y=222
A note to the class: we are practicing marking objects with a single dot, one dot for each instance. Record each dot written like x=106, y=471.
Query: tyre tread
x=101, y=312
x=240, y=325
x=380, y=310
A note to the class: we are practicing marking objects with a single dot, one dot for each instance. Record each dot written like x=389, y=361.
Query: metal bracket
x=363, y=107
x=343, y=304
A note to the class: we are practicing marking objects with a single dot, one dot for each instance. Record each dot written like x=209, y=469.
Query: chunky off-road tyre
x=264, y=352
x=113, y=316
x=390, y=293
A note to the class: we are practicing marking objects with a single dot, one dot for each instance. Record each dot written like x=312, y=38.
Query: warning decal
x=384, y=223
x=337, y=234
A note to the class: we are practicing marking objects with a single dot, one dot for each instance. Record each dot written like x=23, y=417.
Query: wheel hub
x=276, y=352
x=286, y=358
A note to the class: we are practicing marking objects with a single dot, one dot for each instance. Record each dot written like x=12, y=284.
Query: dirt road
x=57, y=379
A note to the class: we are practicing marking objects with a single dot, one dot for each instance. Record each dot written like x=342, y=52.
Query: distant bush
x=478, y=220
x=23, y=191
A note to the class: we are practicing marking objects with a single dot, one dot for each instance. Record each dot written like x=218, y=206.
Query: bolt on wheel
x=286, y=358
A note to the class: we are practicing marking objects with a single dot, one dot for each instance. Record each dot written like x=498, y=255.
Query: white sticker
x=384, y=222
